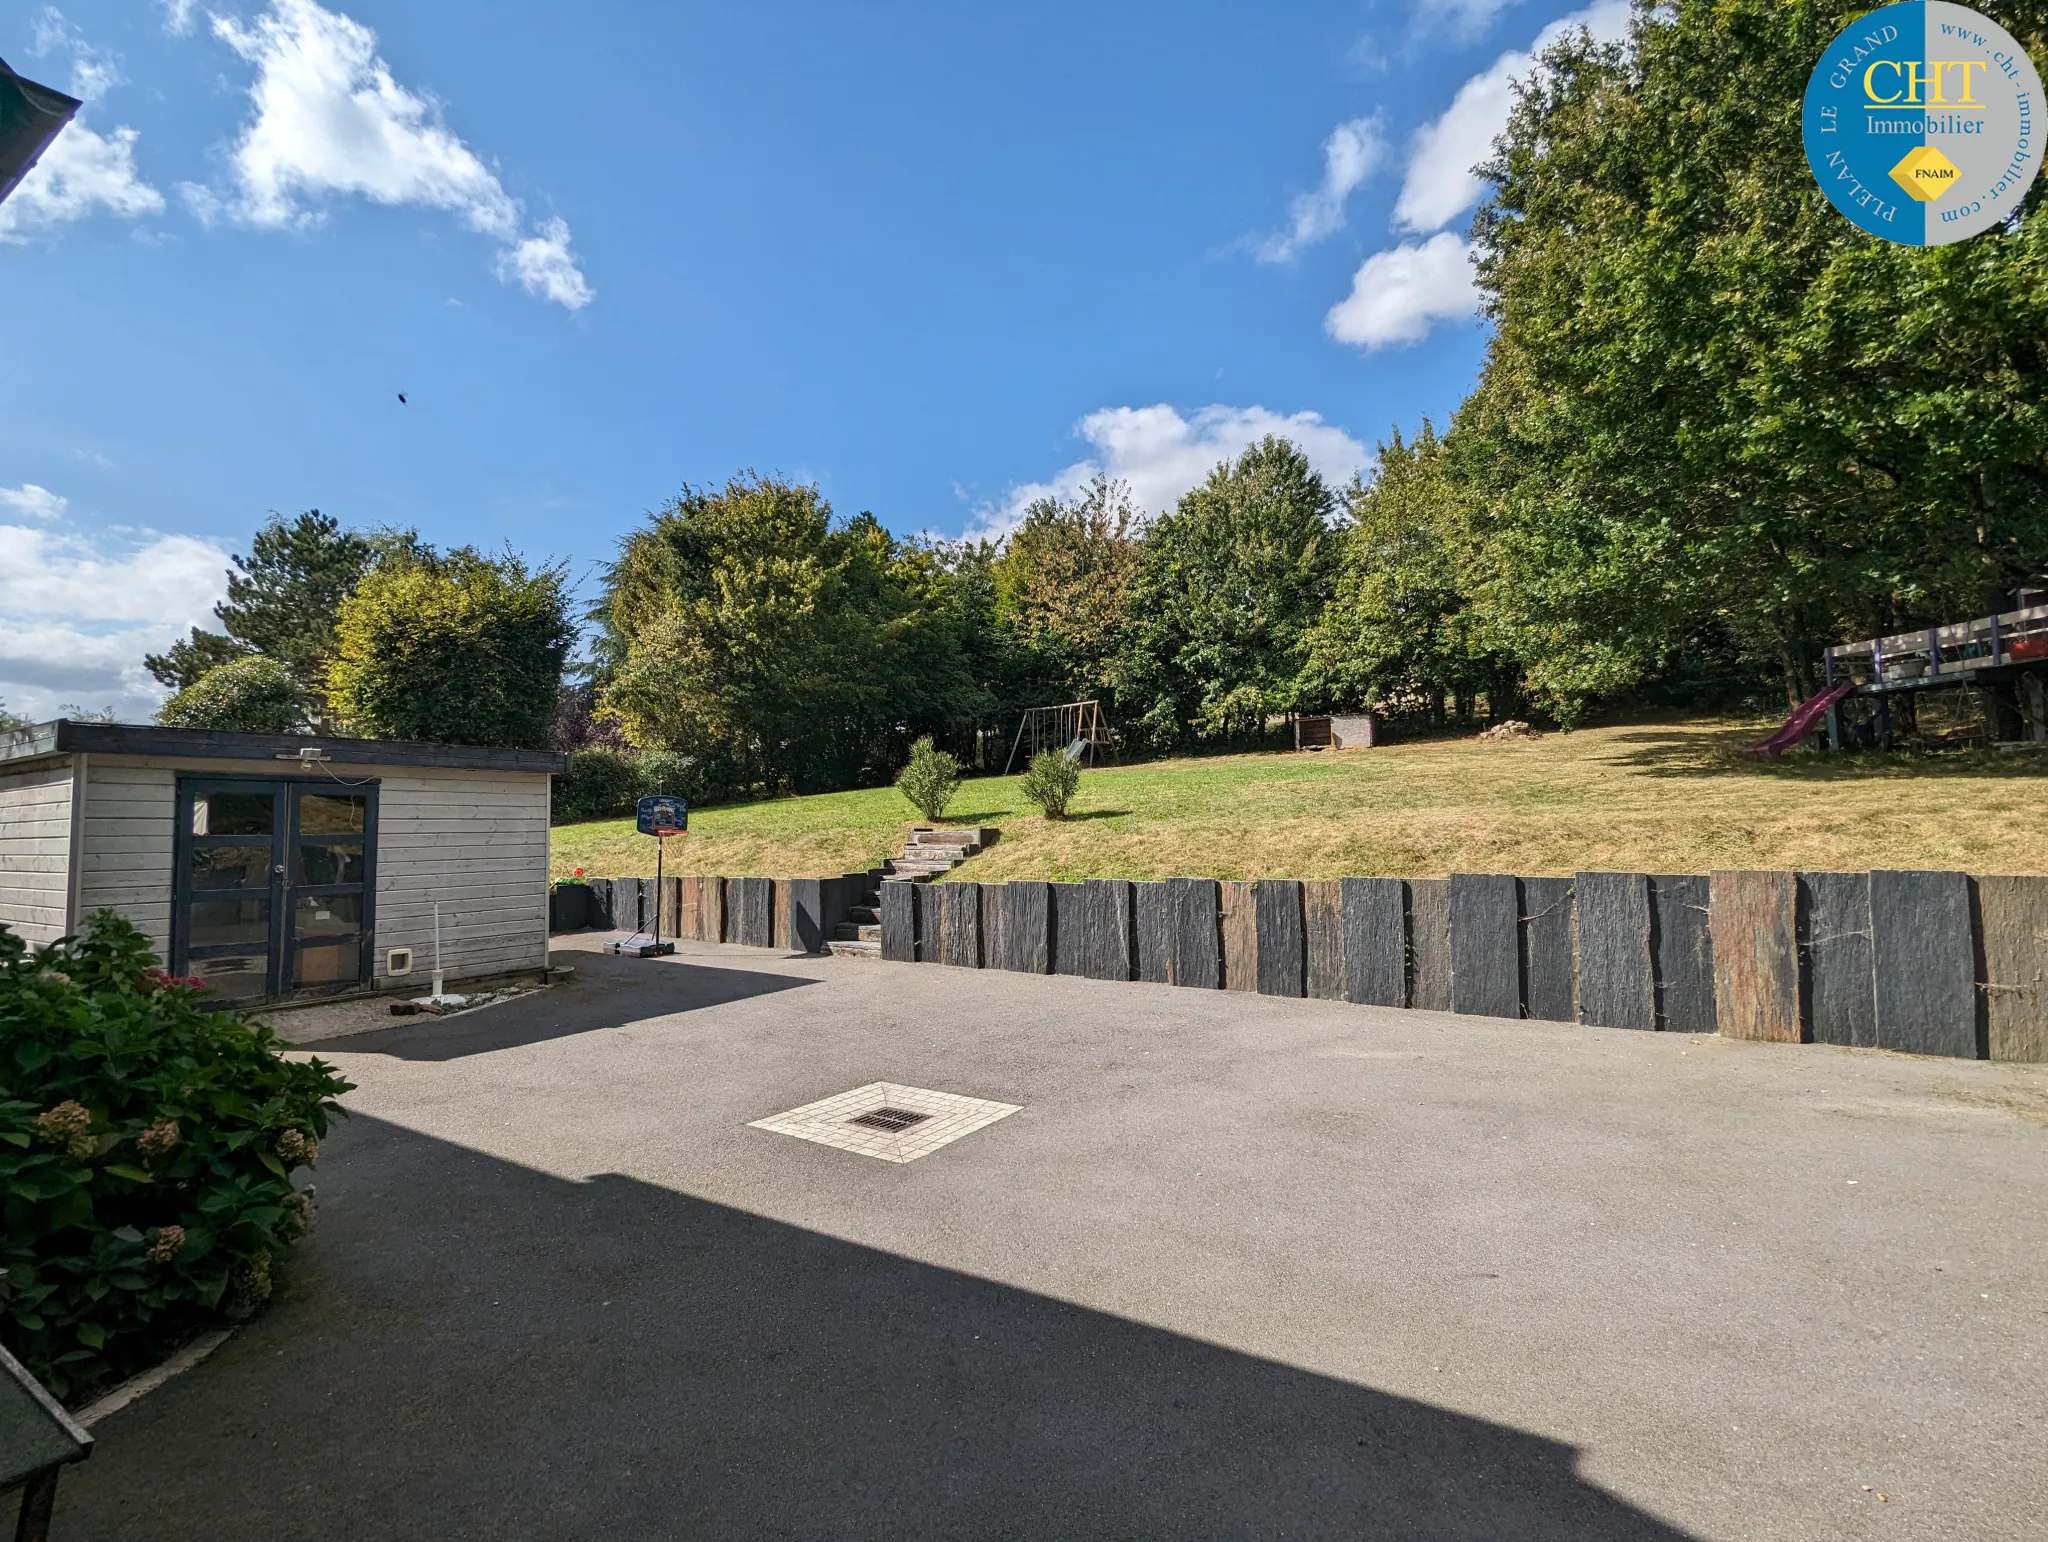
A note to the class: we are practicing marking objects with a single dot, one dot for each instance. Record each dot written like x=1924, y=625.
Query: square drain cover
x=887, y=1121
x=894, y=1120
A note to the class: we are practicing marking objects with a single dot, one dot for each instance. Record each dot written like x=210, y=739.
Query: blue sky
x=936, y=259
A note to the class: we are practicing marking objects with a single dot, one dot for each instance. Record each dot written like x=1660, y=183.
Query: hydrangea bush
x=147, y=1144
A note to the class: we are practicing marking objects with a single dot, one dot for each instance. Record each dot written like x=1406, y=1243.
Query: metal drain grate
x=891, y=1119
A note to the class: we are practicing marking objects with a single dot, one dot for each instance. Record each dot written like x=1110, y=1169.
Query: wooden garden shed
x=279, y=866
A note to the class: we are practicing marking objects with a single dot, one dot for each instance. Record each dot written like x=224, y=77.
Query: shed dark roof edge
x=66, y=737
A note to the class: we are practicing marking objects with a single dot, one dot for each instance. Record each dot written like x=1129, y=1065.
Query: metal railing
x=2013, y=637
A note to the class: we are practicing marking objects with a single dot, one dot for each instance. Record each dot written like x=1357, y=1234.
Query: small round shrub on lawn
x=930, y=779
x=147, y=1144
x=1052, y=781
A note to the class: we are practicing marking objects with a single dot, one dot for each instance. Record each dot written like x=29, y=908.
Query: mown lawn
x=1674, y=797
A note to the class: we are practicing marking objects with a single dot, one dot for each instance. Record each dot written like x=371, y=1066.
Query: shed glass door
x=275, y=886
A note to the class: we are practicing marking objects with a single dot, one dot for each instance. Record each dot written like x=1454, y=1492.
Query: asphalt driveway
x=1239, y=1267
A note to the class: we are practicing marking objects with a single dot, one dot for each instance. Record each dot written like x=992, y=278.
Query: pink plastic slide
x=1803, y=722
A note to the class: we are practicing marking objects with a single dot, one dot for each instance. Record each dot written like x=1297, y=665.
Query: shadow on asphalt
x=471, y=1349
x=606, y=993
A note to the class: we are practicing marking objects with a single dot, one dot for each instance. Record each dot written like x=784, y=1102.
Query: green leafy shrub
x=600, y=782
x=254, y=695
x=1052, y=781
x=454, y=648
x=930, y=779
x=604, y=783
x=147, y=1144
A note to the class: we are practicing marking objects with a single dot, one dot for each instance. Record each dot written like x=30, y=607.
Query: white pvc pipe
x=437, y=950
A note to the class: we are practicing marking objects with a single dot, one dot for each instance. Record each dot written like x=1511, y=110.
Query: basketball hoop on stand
x=660, y=816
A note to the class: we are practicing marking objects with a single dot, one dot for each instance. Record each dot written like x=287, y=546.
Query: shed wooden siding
x=35, y=851
x=125, y=845
x=477, y=841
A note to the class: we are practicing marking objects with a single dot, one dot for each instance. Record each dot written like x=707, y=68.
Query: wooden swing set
x=1080, y=728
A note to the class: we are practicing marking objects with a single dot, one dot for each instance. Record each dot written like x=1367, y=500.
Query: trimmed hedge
x=604, y=783
x=147, y=1145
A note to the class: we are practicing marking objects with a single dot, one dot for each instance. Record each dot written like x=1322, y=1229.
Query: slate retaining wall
x=1924, y=962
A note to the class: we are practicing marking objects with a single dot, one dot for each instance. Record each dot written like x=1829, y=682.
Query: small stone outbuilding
x=280, y=866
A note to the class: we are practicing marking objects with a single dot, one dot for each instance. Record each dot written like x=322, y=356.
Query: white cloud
x=1352, y=153
x=177, y=15
x=1466, y=18
x=77, y=615
x=1440, y=184
x=331, y=121
x=36, y=502
x=543, y=266
x=1398, y=295
x=1162, y=454
x=82, y=170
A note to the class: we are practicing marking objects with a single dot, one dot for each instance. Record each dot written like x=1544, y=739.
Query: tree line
x=1717, y=427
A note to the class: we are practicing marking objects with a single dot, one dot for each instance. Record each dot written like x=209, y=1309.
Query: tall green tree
x=1063, y=589
x=1399, y=633
x=1711, y=403
x=747, y=626
x=457, y=649
x=1226, y=589
x=282, y=601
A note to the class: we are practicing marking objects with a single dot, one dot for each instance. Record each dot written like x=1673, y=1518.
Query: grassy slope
x=1672, y=798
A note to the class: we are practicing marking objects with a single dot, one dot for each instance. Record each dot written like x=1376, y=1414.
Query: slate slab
x=1283, y=949
x=1682, y=947
x=1375, y=913
x=1110, y=925
x=1923, y=958
x=899, y=921
x=809, y=924
x=1197, y=959
x=958, y=913
x=1617, y=979
x=689, y=916
x=1429, y=944
x=1239, y=924
x=711, y=910
x=1152, y=935
x=1322, y=919
x=756, y=907
x=1486, y=958
x=1755, y=921
x=1549, y=991
x=1027, y=927
x=1070, y=929
x=783, y=931
x=995, y=914
x=2013, y=923
x=1839, y=987
x=668, y=903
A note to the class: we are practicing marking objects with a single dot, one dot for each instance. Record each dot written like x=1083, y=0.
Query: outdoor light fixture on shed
x=30, y=117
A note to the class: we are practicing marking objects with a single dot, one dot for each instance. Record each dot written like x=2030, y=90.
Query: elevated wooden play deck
x=2003, y=657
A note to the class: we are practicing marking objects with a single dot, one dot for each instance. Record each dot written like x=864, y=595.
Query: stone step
x=870, y=914
x=977, y=835
x=907, y=877
x=851, y=932
x=854, y=949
